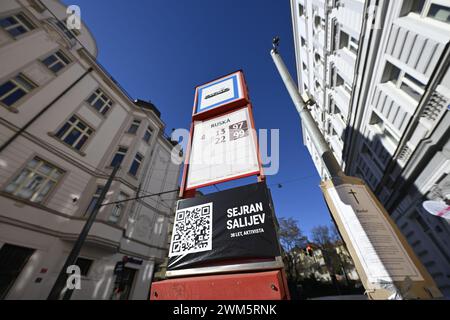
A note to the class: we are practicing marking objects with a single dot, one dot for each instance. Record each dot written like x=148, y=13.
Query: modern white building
x=64, y=123
x=378, y=73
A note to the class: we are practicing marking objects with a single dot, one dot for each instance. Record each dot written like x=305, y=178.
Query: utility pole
x=363, y=222
x=61, y=281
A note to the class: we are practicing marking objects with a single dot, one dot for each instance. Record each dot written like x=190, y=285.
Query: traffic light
x=309, y=251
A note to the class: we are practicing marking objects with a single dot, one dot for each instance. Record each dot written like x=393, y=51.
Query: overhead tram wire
x=177, y=190
x=291, y=180
x=141, y=197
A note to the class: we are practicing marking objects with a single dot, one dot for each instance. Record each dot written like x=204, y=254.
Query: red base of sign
x=269, y=285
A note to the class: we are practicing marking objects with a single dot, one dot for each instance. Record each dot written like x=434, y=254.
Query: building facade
x=64, y=124
x=378, y=73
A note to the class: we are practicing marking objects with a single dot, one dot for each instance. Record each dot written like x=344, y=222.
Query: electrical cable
x=140, y=197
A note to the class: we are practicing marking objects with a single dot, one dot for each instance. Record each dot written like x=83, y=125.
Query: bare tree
x=328, y=239
x=291, y=239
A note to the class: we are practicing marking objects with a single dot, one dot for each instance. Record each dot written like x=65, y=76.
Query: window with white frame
x=439, y=12
x=35, y=181
x=118, y=208
x=435, y=9
x=94, y=200
x=136, y=164
x=16, y=24
x=134, y=126
x=56, y=61
x=119, y=156
x=100, y=101
x=147, y=135
x=14, y=89
x=74, y=132
x=349, y=42
x=403, y=81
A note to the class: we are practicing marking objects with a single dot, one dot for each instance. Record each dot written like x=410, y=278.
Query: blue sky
x=160, y=50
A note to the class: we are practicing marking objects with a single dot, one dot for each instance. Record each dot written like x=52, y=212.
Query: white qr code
x=192, y=230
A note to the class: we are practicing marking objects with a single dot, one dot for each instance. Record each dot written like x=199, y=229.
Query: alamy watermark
x=73, y=20
x=74, y=279
x=220, y=151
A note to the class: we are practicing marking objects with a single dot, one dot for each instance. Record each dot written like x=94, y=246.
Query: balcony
x=393, y=106
x=345, y=63
x=417, y=43
x=342, y=99
x=336, y=145
x=351, y=15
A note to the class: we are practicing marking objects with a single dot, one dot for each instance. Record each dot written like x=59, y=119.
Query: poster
x=378, y=248
x=238, y=223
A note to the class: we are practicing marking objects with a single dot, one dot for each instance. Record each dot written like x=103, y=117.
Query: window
x=411, y=86
x=302, y=41
x=347, y=41
x=118, y=208
x=439, y=12
x=84, y=265
x=136, y=164
x=317, y=58
x=375, y=119
x=301, y=10
x=317, y=21
x=336, y=110
x=134, y=126
x=94, y=200
x=35, y=181
x=339, y=80
x=12, y=90
x=75, y=133
x=100, y=101
x=353, y=45
x=343, y=40
x=62, y=26
x=391, y=73
x=347, y=88
x=412, y=6
x=317, y=85
x=16, y=24
x=118, y=157
x=56, y=61
x=147, y=134
x=383, y=132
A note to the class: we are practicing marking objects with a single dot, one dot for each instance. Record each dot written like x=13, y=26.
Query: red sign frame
x=210, y=114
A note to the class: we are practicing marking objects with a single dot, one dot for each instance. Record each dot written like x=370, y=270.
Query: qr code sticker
x=192, y=230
